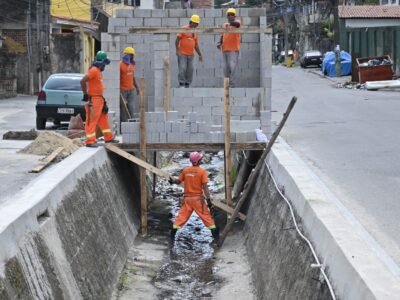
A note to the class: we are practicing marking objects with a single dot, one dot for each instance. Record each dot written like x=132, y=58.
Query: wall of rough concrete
x=280, y=261
x=66, y=236
x=65, y=54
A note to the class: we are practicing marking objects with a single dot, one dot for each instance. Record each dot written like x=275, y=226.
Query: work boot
x=94, y=145
x=215, y=234
x=172, y=235
x=113, y=141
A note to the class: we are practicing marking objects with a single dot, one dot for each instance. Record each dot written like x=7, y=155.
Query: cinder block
x=159, y=13
x=208, y=92
x=256, y=12
x=242, y=101
x=250, y=21
x=252, y=111
x=237, y=92
x=121, y=29
x=113, y=22
x=177, y=13
x=251, y=38
x=217, y=111
x=212, y=101
x=203, y=127
x=196, y=11
x=182, y=92
x=207, y=22
x=135, y=22
x=217, y=120
x=142, y=13
x=239, y=110
x=163, y=137
x=253, y=92
x=152, y=22
x=211, y=13
x=244, y=125
x=202, y=110
x=241, y=136
x=251, y=136
x=192, y=116
x=170, y=22
x=217, y=136
x=124, y=13
x=183, y=21
x=265, y=117
x=193, y=128
x=172, y=115
x=216, y=128
x=198, y=138
x=130, y=127
x=160, y=37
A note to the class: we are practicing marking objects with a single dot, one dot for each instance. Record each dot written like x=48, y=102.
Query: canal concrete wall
x=67, y=234
x=282, y=262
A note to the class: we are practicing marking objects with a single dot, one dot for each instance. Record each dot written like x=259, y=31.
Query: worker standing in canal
x=96, y=106
x=230, y=47
x=186, y=44
x=196, y=197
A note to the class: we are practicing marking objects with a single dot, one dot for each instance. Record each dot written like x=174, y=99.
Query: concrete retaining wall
x=281, y=261
x=66, y=236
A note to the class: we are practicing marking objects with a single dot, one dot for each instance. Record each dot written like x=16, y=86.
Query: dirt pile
x=21, y=135
x=47, y=142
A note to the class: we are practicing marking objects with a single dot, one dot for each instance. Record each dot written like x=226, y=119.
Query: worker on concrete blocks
x=96, y=106
x=195, y=195
x=186, y=44
x=127, y=80
x=230, y=46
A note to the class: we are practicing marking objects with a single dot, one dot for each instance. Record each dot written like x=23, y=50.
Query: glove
x=85, y=98
x=171, y=180
x=209, y=204
x=105, y=108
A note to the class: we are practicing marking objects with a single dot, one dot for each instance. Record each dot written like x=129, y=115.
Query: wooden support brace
x=138, y=161
x=227, y=209
x=167, y=83
x=228, y=184
x=47, y=160
x=255, y=172
x=125, y=106
x=143, y=182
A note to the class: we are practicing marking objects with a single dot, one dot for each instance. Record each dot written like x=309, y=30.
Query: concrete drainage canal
x=186, y=269
x=73, y=234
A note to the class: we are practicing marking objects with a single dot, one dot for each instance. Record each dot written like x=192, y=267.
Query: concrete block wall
x=254, y=69
x=168, y=127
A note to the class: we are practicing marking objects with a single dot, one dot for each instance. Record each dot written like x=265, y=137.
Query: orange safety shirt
x=187, y=42
x=95, y=82
x=126, y=75
x=230, y=41
x=193, y=177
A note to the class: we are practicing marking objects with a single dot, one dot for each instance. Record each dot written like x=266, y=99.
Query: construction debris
x=47, y=160
x=47, y=142
x=21, y=135
x=376, y=85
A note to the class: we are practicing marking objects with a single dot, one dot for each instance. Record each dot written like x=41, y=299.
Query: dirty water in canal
x=186, y=270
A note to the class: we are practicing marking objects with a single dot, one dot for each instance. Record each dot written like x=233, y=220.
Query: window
x=64, y=83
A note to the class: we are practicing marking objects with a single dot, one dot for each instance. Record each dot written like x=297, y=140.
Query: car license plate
x=68, y=111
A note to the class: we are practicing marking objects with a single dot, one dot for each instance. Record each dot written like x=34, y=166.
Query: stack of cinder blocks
x=164, y=127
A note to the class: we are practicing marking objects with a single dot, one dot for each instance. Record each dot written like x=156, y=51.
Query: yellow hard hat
x=129, y=50
x=195, y=19
x=231, y=11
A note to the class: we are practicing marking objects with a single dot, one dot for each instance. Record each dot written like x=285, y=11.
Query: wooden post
x=254, y=174
x=143, y=186
x=154, y=174
x=167, y=84
x=228, y=183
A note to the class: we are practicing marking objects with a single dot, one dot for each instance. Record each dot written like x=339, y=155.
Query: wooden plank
x=143, y=185
x=218, y=30
x=227, y=156
x=137, y=161
x=154, y=175
x=167, y=84
x=125, y=106
x=194, y=146
x=47, y=160
x=255, y=172
x=227, y=209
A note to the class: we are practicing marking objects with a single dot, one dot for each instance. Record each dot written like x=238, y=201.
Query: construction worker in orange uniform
x=196, y=193
x=128, y=81
x=96, y=107
x=186, y=44
x=230, y=46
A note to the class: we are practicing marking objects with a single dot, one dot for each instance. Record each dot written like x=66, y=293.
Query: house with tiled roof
x=371, y=30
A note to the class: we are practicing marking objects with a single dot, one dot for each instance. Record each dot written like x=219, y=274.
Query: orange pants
x=197, y=204
x=94, y=117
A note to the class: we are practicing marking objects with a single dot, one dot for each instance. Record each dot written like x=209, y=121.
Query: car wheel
x=40, y=123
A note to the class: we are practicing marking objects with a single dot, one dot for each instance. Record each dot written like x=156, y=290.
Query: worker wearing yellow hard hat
x=128, y=83
x=186, y=44
x=230, y=47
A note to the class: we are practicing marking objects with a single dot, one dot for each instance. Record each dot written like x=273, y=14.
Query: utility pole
x=29, y=46
x=38, y=48
x=286, y=21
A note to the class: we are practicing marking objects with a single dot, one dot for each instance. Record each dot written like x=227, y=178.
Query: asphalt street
x=351, y=140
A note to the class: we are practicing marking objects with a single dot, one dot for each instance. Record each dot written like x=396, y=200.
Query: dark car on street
x=60, y=99
x=311, y=58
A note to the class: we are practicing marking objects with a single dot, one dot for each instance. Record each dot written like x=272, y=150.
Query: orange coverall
x=94, y=114
x=194, y=177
